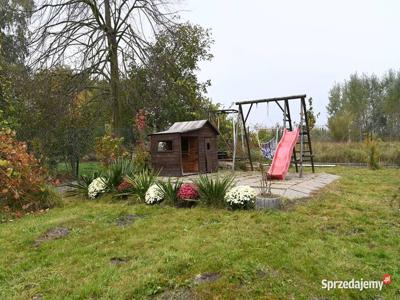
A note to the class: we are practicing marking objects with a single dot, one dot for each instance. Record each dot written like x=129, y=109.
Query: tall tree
x=365, y=105
x=62, y=115
x=99, y=37
x=14, y=15
x=167, y=85
x=13, y=49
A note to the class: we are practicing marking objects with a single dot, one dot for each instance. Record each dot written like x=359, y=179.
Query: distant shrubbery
x=384, y=152
x=363, y=105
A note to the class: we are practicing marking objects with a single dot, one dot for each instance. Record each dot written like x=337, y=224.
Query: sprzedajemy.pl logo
x=357, y=284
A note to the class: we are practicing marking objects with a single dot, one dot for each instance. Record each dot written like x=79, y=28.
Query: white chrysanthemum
x=241, y=196
x=154, y=195
x=96, y=187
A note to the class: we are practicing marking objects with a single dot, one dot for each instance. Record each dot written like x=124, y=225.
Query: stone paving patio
x=292, y=187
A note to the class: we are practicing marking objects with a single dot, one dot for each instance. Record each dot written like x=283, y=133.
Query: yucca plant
x=141, y=182
x=212, y=190
x=170, y=189
x=80, y=187
x=117, y=170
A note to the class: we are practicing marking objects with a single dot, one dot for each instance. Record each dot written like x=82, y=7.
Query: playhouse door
x=209, y=155
x=190, y=155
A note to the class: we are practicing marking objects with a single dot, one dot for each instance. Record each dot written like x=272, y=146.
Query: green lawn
x=85, y=168
x=349, y=230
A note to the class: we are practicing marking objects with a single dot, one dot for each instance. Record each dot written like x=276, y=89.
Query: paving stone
x=291, y=194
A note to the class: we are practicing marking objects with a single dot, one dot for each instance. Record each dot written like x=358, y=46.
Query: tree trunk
x=114, y=69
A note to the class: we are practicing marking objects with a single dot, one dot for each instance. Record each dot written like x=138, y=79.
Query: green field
x=349, y=230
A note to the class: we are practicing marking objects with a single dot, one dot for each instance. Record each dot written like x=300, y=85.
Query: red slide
x=283, y=154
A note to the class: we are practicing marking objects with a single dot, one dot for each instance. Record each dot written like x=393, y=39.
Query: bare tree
x=99, y=37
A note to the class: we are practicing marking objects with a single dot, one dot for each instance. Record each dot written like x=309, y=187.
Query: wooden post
x=289, y=119
x=303, y=103
x=246, y=136
x=301, y=139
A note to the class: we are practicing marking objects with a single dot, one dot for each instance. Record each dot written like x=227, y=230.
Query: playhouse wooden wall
x=169, y=163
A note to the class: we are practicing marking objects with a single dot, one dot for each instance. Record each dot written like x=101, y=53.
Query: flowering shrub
x=96, y=187
x=188, y=191
x=241, y=197
x=124, y=186
x=21, y=177
x=154, y=195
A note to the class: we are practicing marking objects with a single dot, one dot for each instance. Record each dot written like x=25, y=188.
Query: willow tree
x=99, y=37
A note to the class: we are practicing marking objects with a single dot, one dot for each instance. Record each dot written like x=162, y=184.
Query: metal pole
x=235, y=129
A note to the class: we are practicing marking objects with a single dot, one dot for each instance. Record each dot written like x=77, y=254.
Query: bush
x=241, y=197
x=212, y=191
x=109, y=148
x=22, y=180
x=240, y=166
x=142, y=158
x=141, y=182
x=49, y=197
x=117, y=171
x=81, y=187
x=373, y=154
x=170, y=191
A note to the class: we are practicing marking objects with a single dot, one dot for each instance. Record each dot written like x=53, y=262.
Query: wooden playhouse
x=185, y=148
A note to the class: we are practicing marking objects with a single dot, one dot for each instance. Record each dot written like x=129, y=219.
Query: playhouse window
x=164, y=146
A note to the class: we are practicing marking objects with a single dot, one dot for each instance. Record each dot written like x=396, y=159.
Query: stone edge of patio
x=291, y=188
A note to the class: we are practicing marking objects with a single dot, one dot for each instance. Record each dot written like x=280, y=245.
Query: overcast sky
x=269, y=48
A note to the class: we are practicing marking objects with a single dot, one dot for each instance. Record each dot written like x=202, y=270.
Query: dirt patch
x=177, y=294
x=206, y=277
x=119, y=260
x=127, y=219
x=52, y=234
x=261, y=273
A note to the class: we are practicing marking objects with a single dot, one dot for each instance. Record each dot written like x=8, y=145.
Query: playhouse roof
x=188, y=126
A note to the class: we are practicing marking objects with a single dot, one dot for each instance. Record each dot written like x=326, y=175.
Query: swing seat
x=268, y=149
